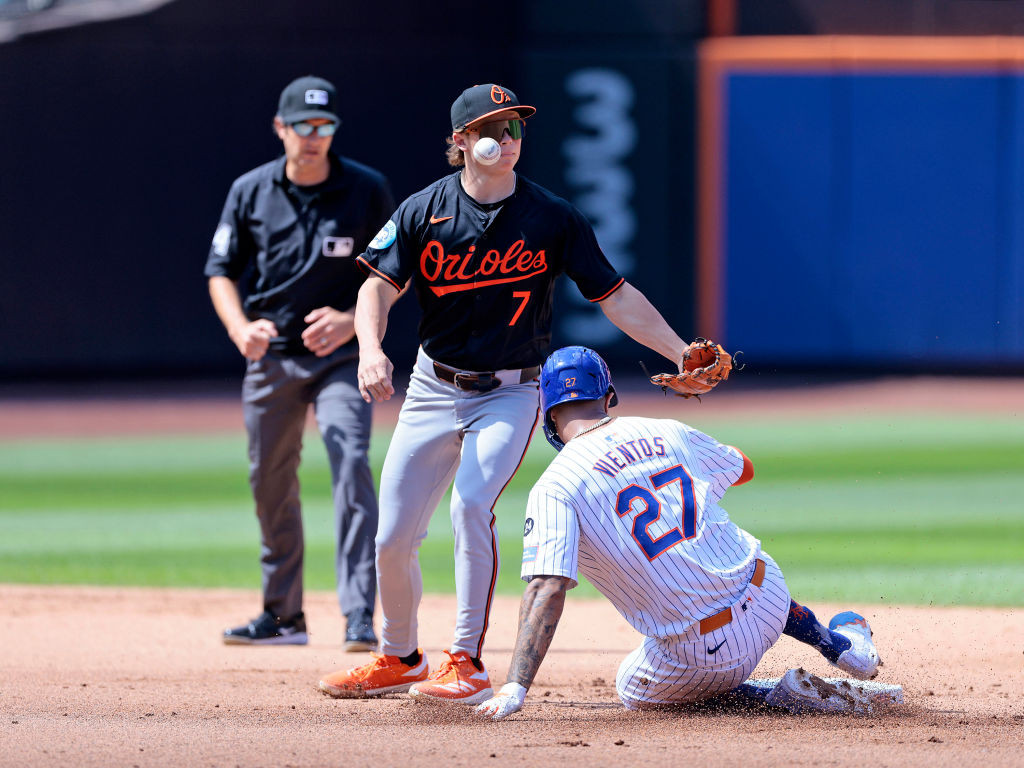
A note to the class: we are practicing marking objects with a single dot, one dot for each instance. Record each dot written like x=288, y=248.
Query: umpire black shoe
x=359, y=632
x=269, y=629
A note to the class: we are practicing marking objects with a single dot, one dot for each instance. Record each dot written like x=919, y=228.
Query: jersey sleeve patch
x=529, y=550
x=550, y=536
x=386, y=236
x=222, y=239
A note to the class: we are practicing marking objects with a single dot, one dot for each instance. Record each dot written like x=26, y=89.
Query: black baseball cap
x=307, y=98
x=480, y=101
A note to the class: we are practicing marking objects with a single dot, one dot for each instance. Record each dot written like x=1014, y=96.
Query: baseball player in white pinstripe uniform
x=632, y=503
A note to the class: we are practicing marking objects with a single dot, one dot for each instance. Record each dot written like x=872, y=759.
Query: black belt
x=479, y=381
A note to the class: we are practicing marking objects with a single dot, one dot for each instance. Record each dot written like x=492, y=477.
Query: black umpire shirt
x=485, y=274
x=291, y=249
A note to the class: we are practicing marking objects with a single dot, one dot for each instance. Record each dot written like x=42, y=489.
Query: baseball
x=487, y=151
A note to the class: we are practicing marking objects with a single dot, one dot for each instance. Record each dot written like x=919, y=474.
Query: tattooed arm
x=538, y=616
x=539, y=613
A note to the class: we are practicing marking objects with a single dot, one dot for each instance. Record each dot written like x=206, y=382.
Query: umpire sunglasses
x=496, y=130
x=305, y=129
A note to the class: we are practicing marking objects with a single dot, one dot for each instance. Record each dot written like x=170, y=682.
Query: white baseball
x=487, y=151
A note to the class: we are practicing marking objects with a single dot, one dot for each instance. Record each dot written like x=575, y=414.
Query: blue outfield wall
x=876, y=217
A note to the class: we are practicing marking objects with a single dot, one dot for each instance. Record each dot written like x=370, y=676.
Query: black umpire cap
x=307, y=98
x=480, y=101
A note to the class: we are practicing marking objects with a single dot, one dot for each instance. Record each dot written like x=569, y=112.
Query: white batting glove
x=509, y=700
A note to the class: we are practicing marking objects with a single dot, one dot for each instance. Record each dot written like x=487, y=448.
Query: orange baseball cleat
x=457, y=681
x=385, y=674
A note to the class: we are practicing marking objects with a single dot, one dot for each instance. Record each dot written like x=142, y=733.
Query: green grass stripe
x=866, y=505
x=887, y=434
x=902, y=509
x=936, y=584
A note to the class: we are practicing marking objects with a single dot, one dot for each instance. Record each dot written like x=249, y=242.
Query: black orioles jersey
x=485, y=274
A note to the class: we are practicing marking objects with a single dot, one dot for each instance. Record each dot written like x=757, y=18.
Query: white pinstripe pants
x=693, y=667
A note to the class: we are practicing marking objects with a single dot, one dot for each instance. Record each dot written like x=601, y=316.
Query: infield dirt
x=139, y=677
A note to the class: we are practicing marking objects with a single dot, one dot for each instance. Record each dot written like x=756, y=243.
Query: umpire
x=285, y=246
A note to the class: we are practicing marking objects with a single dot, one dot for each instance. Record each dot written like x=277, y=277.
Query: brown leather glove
x=705, y=364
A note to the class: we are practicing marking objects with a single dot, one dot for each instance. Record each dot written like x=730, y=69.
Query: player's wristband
x=515, y=690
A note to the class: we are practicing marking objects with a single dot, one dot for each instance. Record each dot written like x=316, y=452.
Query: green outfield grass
x=908, y=509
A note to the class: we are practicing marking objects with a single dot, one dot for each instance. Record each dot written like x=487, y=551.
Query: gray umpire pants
x=276, y=394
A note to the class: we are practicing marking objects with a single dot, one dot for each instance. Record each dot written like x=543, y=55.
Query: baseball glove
x=705, y=364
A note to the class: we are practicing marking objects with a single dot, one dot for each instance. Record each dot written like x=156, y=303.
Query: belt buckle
x=476, y=382
x=462, y=380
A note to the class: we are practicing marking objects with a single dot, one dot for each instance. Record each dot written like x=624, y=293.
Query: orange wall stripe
x=710, y=193
x=858, y=52
x=721, y=17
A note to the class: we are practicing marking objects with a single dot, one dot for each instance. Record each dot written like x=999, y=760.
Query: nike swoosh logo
x=436, y=220
x=715, y=649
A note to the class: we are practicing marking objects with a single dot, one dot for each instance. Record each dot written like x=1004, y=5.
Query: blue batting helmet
x=572, y=374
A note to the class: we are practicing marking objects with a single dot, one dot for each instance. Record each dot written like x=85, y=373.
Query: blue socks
x=804, y=626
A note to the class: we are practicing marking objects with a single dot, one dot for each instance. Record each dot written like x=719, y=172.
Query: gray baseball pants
x=445, y=434
x=276, y=393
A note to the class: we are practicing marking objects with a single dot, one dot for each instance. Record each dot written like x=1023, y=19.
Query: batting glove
x=509, y=700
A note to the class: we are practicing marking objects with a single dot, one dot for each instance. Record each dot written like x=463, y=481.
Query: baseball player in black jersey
x=482, y=247
x=286, y=243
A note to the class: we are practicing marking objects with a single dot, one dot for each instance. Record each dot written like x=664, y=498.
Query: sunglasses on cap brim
x=496, y=130
x=305, y=129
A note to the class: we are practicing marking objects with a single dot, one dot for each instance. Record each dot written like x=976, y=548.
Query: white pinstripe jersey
x=633, y=506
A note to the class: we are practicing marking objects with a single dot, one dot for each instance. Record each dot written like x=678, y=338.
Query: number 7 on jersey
x=524, y=296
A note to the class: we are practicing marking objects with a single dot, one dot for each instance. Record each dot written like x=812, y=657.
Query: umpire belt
x=482, y=381
x=724, y=616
